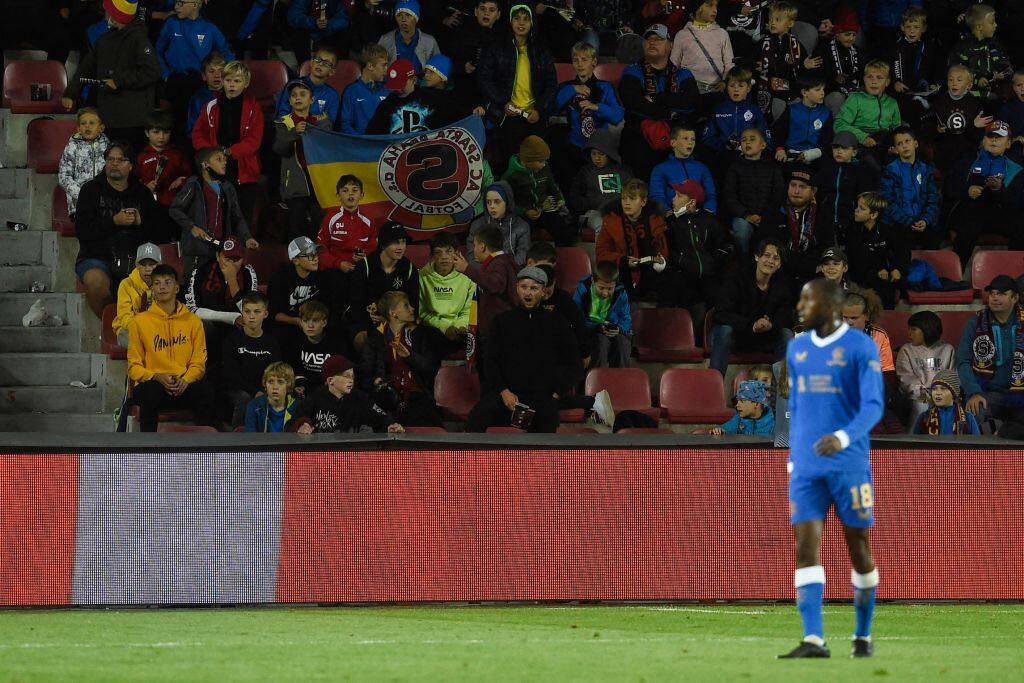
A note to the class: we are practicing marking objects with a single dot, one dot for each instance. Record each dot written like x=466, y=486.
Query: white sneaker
x=603, y=410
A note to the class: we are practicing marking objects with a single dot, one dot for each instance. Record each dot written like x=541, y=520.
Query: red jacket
x=341, y=233
x=247, y=150
x=177, y=166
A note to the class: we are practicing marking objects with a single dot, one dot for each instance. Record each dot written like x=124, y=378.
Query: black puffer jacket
x=698, y=246
x=126, y=57
x=496, y=75
x=753, y=187
x=838, y=187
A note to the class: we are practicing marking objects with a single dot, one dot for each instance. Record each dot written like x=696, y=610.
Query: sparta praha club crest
x=432, y=174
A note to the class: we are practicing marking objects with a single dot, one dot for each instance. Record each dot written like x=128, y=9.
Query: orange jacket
x=611, y=241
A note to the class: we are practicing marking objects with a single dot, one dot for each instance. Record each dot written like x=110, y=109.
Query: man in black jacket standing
x=755, y=310
x=115, y=215
x=531, y=361
x=124, y=60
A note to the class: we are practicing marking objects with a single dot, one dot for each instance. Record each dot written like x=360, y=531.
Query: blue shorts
x=852, y=493
x=87, y=264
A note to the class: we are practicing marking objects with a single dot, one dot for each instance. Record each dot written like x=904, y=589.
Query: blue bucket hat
x=753, y=390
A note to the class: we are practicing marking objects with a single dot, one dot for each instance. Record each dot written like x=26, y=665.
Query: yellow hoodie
x=174, y=344
x=133, y=297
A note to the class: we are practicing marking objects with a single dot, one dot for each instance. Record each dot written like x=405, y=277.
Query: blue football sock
x=864, y=586
x=810, y=592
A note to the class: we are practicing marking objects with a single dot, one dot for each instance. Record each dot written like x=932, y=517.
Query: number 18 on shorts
x=851, y=492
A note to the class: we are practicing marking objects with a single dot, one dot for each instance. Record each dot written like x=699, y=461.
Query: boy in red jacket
x=346, y=234
x=242, y=143
x=161, y=167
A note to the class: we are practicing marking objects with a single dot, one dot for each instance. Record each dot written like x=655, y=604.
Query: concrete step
x=50, y=399
x=20, y=278
x=64, y=339
x=14, y=306
x=34, y=369
x=28, y=247
x=63, y=423
x=25, y=196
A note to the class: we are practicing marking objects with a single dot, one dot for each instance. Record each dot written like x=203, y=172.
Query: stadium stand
x=345, y=72
x=572, y=266
x=46, y=141
x=268, y=79
x=630, y=389
x=946, y=265
x=456, y=391
x=665, y=335
x=986, y=264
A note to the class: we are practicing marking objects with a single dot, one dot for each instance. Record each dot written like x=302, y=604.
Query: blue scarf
x=408, y=51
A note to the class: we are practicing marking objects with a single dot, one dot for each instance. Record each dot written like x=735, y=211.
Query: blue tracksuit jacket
x=358, y=104
x=729, y=119
x=325, y=101
x=184, y=43
x=609, y=110
x=677, y=170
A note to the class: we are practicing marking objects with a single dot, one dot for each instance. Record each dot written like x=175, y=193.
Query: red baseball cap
x=335, y=365
x=692, y=189
x=399, y=73
x=232, y=248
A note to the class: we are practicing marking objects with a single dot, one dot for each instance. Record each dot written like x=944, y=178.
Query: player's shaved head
x=820, y=304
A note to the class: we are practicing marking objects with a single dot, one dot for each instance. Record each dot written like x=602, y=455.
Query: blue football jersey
x=835, y=385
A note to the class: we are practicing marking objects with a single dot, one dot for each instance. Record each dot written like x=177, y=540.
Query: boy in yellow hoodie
x=167, y=356
x=133, y=295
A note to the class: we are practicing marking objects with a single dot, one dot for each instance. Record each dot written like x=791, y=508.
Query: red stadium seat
x=985, y=265
x=576, y=430
x=665, y=335
x=629, y=388
x=46, y=141
x=693, y=396
x=345, y=73
x=425, y=430
x=108, y=340
x=572, y=266
x=736, y=357
x=895, y=325
x=572, y=415
x=21, y=75
x=645, y=430
x=419, y=254
x=267, y=260
x=953, y=324
x=60, y=220
x=611, y=72
x=171, y=255
x=946, y=264
x=564, y=72
x=456, y=390
x=268, y=79
x=741, y=376
x=185, y=428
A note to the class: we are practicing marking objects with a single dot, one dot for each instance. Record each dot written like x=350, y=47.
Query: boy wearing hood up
x=599, y=180
x=753, y=416
x=500, y=204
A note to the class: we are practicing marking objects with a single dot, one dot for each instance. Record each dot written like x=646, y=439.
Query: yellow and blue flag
x=426, y=181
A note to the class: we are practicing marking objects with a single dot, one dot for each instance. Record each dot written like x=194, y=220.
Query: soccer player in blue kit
x=835, y=398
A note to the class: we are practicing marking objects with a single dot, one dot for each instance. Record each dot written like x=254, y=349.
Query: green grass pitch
x=938, y=642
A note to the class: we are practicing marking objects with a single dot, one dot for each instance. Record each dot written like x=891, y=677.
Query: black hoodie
x=354, y=412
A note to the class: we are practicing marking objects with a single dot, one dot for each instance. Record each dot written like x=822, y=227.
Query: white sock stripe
x=808, y=575
x=869, y=580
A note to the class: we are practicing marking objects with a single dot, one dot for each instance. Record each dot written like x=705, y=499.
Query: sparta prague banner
x=427, y=181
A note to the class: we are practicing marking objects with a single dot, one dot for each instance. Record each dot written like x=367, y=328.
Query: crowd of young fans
x=747, y=148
